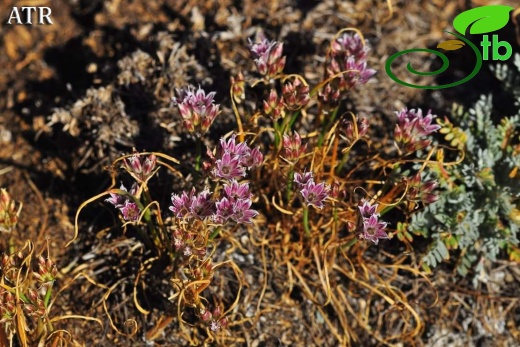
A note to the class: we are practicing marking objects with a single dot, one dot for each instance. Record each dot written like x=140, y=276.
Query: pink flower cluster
x=191, y=205
x=412, y=128
x=312, y=193
x=349, y=55
x=268, y=57
x=197, y=109
x=369, y=226
x=126, y=205
x=235, y=205
x=235, y=202
x=235, y=159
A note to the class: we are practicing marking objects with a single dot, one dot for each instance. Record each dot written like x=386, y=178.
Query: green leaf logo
x=451, y=45
x=483, y=19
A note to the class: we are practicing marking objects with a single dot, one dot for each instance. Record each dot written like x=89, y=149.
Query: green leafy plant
x=477, y=211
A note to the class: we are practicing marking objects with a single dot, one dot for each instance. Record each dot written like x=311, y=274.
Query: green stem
x=11, y=243
x=281, y=129
x=215, y=233
x=277, y=135
x=48, y=294
x=325, y=128
x=13, y=291
x=157, y=231
x=198, y=153
x=350, y=243
x=342, y=162
x=306, y=221
x=288, y=125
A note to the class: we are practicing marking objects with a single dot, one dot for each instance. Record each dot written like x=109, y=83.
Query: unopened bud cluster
x=36, y=308
x=238, y=88
x=47, y=271
x=274, y=105
x=7, y=306
x=293, y=147
x=352, y=132
x=295, y=95
x=10, y=265
x=9, y=211
x=29, y=291
x=421, y=191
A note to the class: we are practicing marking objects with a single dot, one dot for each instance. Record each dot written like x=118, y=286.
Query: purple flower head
x=367, y=210
x=126, y=205
x=293, y=146
x=116, y=199
x=268, y=57
x=235, y=159
x=235, y=190
x=229, y=167
x=231, y=147
x=242, y=213
x=373, y=229
x=357, y=72
x=130, y=211
x=411, y=128
x=197, y=109
x=201, y=206
x=181, y=204
x=252, y=158
x=349, y=60
x=350, y=45
x=315, y=194
x=303, y=179
x=224, y=211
